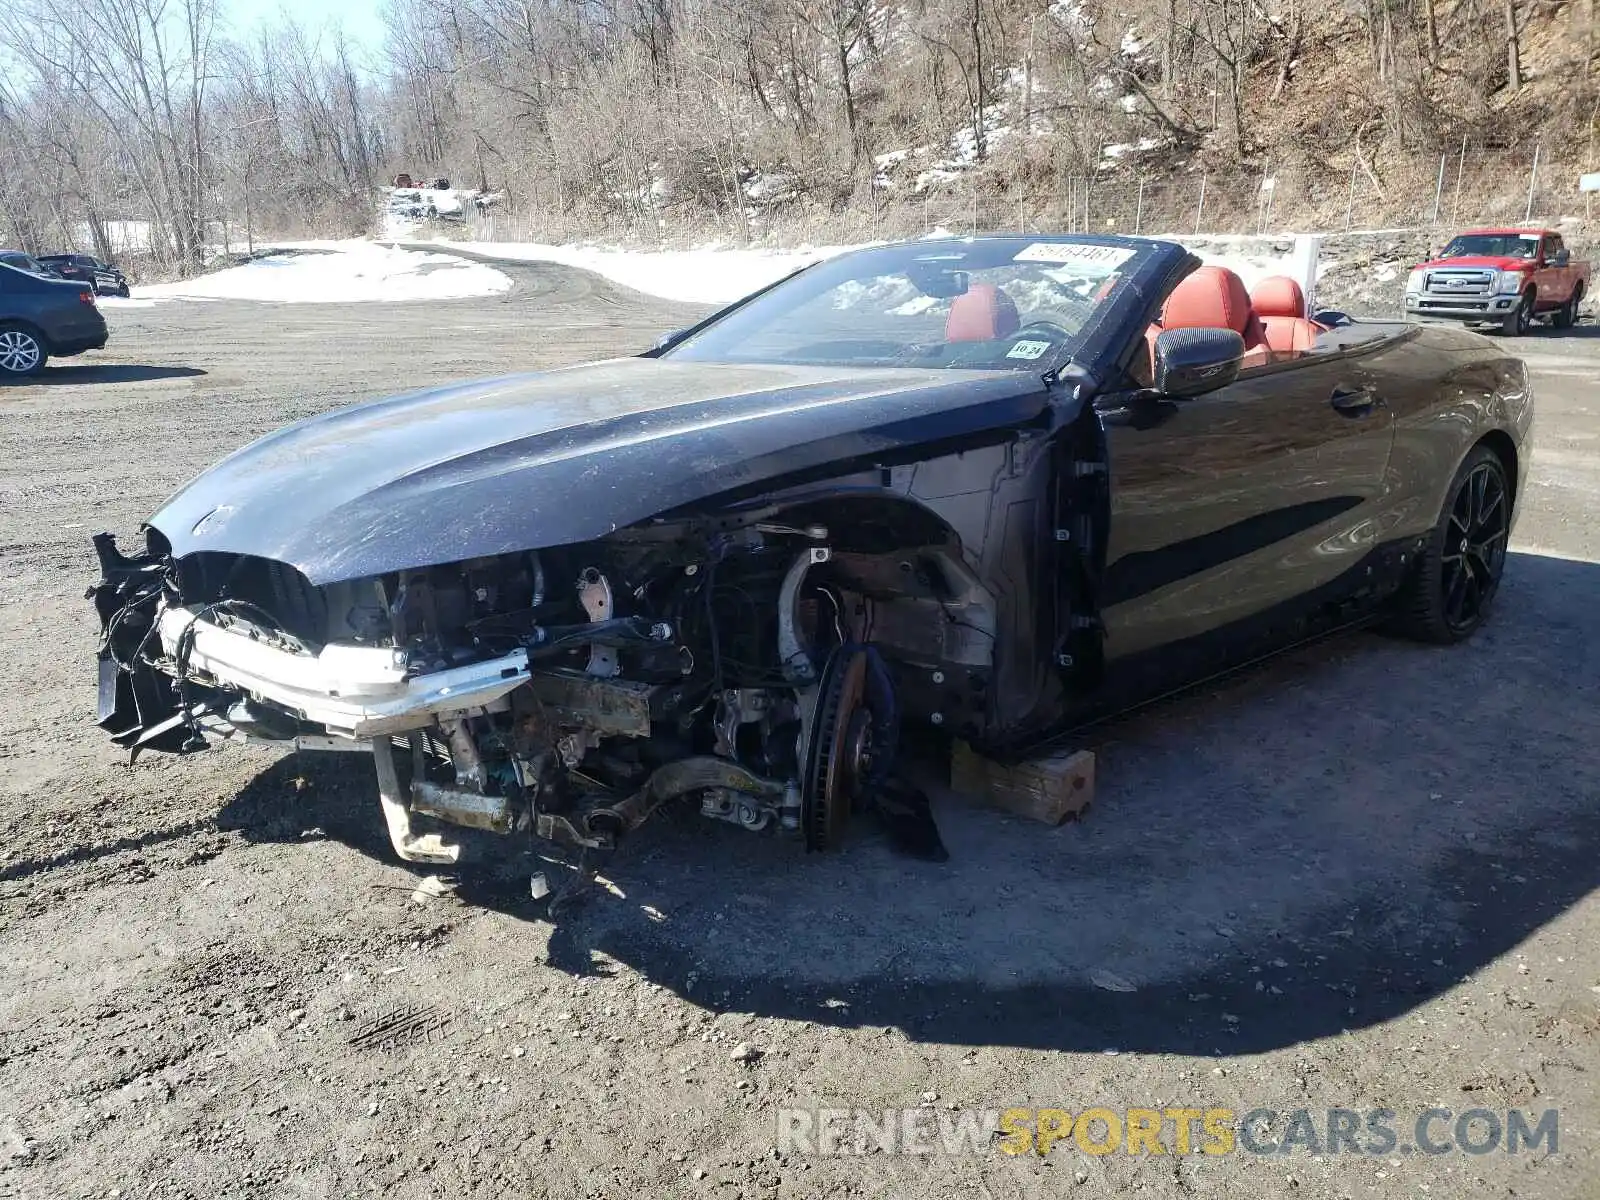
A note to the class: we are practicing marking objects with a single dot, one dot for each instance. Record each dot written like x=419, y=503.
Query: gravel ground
x=1360, y=877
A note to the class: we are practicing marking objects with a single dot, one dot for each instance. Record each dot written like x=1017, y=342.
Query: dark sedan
x=40, y=317
x=25, y=262
x=105, y=278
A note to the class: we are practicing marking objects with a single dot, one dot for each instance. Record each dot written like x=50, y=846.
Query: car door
x=1232, y=505
x=1545, y=281
x=1563, y=276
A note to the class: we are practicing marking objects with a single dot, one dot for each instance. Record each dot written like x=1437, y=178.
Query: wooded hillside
x=652, y=117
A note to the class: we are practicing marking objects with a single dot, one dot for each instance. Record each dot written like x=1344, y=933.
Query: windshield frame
x=1146, y=270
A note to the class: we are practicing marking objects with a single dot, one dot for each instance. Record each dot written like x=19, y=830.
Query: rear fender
x=29, y=327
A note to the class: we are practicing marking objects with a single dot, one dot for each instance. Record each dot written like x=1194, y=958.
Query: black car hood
x=528, y=461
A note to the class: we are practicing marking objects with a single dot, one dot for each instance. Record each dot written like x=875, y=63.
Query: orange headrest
x=1278, y=296
x=980, y=314
x=1211, y=298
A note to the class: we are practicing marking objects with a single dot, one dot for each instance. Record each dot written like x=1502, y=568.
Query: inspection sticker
x=1028, y=349
x=1107, y=258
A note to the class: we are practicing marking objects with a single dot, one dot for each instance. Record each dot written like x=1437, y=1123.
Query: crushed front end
x=743, y=662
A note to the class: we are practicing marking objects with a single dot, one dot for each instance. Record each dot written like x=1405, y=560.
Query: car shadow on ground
x=78, y=373
x=1317, y=845
x=1585, y=328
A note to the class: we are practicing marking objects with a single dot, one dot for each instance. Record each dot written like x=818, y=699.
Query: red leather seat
x=981, y=314
x=1278, y=296
x=1281, y=305
x=1215, y=298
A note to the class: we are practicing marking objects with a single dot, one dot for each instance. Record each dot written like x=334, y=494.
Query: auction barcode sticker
x=1107, y=258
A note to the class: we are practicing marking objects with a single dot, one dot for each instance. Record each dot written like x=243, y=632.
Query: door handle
x=1354, y=401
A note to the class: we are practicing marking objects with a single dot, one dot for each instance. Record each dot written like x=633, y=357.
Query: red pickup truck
x=1504, y=277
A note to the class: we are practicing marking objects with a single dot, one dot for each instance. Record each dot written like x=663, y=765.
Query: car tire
x=22, y=352
x=1453, y=584
x=1567, y=315
x=1519, y=320
x=124, y=291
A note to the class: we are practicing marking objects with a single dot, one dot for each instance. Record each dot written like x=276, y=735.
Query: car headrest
x=1211, y=298
x=980, y=314
x=1278, y=296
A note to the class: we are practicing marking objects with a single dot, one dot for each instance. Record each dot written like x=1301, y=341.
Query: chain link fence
x=1424, y=192
x=1447, y=192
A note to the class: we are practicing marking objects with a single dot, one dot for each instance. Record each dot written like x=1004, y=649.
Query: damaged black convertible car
x=993, y=488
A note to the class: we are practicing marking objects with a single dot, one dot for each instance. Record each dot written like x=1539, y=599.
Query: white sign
x=1078, y=254
x=1589, y=183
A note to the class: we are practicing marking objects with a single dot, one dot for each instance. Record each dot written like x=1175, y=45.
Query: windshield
x=986, y=304
x=1493, y=245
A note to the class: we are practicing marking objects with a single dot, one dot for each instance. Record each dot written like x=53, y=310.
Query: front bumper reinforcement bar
x=354, y=691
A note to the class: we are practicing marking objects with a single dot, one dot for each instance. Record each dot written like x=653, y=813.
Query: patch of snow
x=397, y=225
x=340, y=273
x=1119, y=149
x=1131, y=43
x=719, y=275
x=1073, y=15
x=932, y=176
x=963, y=149
x=705, y=275
x=765, y=188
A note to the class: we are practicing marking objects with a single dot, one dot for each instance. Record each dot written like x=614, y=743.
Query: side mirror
x=1192, y=362
x=666, y=339
x=1562, y=257
x=1331, y=317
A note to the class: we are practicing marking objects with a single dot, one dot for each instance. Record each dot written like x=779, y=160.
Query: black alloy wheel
x=1459, y=571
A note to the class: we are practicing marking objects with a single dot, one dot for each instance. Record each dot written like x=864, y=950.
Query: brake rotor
x=839, y=755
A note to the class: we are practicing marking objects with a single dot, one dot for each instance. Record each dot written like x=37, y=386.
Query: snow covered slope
x=339, y=273
x=715, y=275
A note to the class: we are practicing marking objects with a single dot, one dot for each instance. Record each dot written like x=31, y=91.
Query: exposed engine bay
x=756, y=665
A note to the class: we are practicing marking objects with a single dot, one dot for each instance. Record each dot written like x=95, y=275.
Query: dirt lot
x=1362, y=877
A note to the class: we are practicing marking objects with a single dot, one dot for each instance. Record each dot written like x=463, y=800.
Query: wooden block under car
x=1052, y=790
